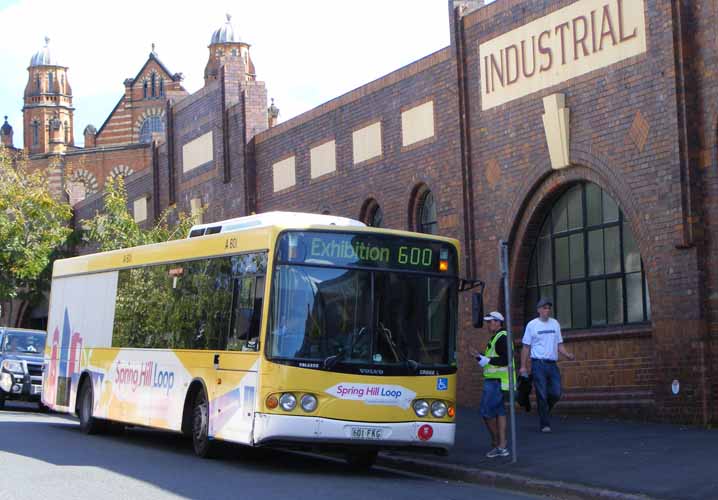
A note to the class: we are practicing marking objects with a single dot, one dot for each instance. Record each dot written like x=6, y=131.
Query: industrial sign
x=583, y=37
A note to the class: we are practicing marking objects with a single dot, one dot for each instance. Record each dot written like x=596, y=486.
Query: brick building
x=583, y=132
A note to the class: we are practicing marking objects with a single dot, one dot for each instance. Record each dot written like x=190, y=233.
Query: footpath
x=582, y=458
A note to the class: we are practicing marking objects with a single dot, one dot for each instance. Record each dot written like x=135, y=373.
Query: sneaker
x=503, y=452
x=493, y=453
x=546, y=429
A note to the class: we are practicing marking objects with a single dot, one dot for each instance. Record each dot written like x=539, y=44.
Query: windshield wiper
x=330, y=361
x=410, y=363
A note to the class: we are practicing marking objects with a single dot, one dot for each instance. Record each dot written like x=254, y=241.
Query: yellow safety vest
x=497, y=372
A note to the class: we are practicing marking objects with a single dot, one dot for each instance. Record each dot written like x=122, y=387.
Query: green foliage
x=33, y=227
x=148, y=310
x=115, y=227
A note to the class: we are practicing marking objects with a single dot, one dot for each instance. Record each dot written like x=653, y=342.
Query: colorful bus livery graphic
x=278, y=334
x=373, y=394
x=65, y=361
x=146, y=374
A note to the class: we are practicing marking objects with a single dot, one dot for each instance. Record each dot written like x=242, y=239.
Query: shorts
x=492, y=400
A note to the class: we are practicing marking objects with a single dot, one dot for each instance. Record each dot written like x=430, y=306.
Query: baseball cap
x=544, y=301
x=495, y=316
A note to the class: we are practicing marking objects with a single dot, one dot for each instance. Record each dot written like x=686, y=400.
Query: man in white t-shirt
x=543, y=343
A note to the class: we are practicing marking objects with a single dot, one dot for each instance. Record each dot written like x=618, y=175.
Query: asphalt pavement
x=46, y=456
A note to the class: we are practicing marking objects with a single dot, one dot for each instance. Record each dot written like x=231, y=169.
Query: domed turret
x=48, y=95
x=225, y=33
x=43, y=57
x=227, y=48
x=6, y=134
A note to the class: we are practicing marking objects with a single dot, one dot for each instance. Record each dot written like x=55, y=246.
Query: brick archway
x=530, y=209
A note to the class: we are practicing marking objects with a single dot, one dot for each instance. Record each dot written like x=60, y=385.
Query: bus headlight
x=308, y=403
x=421, y=408
x=438, y=409
x=288, y=401
x=13, y=366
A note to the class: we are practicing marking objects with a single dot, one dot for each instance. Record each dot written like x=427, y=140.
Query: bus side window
x=246, y=313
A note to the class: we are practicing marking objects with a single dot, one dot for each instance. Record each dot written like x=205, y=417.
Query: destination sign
x=367, y=250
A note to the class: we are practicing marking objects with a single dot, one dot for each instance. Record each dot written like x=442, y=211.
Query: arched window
x=587, y=260
x=62, y=83
x=426, y=214
x=154, y=78
x=37, y=83
x=50, y=82
x=35, y=133
x=67, y=133
x=144, y=89
x=371, y=213
x=162, y=86
x=149, y=126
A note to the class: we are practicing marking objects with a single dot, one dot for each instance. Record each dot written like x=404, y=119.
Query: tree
x=34, y=226
x=115, y=227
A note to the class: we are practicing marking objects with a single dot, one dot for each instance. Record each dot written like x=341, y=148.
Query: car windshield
x=364, y=317
x=24, y=342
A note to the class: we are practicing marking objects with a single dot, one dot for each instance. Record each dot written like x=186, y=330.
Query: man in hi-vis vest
x=495, y=363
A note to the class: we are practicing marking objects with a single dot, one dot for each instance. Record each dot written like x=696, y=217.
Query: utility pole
x=504, y=266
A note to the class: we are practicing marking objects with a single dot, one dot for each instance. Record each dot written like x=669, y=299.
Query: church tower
x=48, y=111
x=226, y=47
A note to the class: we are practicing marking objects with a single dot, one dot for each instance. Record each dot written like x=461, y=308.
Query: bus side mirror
x=477, y=309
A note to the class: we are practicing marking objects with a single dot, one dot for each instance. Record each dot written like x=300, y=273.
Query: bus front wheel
x=88, y=423
x=203, y=445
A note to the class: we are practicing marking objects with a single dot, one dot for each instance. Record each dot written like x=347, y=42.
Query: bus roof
x=260, y=237
x=271, y=219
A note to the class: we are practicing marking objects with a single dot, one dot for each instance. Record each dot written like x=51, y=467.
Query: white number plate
x=370, y=433
x=36, y=389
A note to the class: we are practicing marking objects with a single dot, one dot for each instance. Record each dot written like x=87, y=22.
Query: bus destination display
x=344, y=249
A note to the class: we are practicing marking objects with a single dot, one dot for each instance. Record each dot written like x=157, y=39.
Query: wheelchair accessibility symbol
x=442, y=384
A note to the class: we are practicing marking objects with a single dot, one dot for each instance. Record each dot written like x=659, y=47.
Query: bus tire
x=361, y=460
x=88, y=423
x=202, y=444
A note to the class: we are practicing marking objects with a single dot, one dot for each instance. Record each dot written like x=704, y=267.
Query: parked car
x=21, y=360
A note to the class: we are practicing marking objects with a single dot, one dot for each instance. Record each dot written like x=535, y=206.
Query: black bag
x=524, y=391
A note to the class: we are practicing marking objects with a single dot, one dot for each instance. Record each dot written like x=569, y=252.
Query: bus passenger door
x=237, y=366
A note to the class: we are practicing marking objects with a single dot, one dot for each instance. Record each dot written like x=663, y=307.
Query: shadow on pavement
x=164, y=459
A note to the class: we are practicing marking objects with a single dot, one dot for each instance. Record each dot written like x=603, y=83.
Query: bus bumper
x=287, y=429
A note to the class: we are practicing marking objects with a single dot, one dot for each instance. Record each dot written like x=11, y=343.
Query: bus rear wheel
x=361, y=459
x=88, y=423
x=203, y=445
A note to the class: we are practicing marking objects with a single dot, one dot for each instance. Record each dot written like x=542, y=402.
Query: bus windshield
x=340, y=314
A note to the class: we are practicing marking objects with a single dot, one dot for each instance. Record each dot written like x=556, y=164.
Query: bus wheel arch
x=195, y=387
x=84, y=403
x=196, y=412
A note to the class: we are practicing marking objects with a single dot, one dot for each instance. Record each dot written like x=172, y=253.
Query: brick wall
x=646, y=180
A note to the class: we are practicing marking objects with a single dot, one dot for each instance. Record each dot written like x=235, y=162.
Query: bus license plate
x=371, y=433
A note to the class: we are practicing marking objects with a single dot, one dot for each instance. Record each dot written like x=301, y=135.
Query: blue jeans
x=547, y=383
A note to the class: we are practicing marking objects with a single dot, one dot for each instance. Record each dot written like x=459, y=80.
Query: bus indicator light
x=425, y=432
x=451, y=411
x=443, y=266
x=272, y=402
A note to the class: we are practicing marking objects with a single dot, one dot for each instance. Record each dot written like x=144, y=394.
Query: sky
x=307, y=52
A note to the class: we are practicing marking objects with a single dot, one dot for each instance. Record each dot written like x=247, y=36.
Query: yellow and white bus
x=266, y=330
